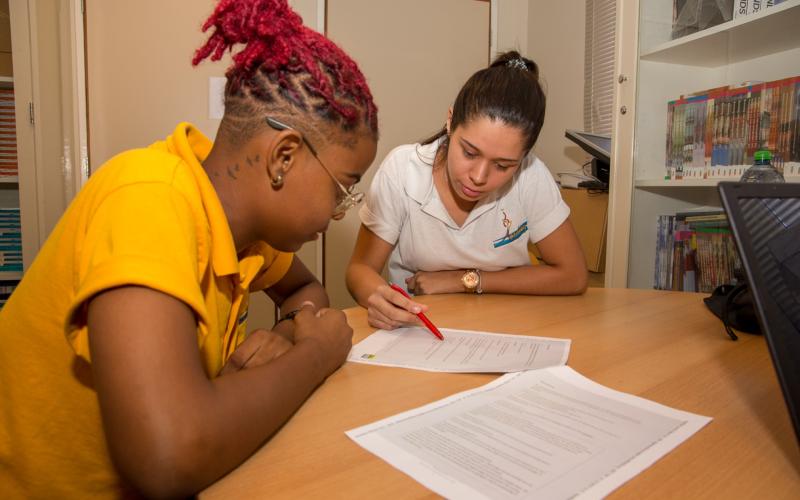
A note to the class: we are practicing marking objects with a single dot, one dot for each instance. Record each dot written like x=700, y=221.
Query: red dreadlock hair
x=284, y=69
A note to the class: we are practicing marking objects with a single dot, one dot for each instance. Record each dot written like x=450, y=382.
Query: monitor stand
x=600, y=169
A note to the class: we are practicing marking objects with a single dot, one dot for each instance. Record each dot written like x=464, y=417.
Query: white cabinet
x=757, y=47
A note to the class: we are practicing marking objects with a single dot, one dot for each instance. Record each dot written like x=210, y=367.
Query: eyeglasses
x=348, y=197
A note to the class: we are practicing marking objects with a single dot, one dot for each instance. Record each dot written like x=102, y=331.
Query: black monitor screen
x=765, y=219
x=596, y=145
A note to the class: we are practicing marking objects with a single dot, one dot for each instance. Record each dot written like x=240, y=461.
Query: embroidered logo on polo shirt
x=510, y=235
x=506, y=221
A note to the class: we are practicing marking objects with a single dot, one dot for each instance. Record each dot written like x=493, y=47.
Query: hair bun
x=280, y=54
x=266, y=24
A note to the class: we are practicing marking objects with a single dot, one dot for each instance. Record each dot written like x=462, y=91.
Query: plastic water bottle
x=762, y=170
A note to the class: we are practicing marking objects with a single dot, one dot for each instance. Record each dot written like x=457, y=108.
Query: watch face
x=470, y=279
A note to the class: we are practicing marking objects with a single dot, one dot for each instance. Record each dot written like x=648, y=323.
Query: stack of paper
x=539, y=433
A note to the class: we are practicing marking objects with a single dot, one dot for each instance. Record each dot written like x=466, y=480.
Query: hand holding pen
x=388, y=308
x=435, y=331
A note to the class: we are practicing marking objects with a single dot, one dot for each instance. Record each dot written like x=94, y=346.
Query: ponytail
x=508, y=90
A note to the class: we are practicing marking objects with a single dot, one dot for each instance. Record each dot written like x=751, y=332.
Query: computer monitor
x=599, y=146
x=765, y=221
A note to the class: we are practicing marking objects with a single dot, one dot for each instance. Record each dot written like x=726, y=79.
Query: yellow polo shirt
x=149, y=217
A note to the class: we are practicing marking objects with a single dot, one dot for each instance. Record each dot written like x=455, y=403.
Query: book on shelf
x=743, y=8
x=714, y=133
x=10, y=240
x=695, y=252
x=7, y=287
x=8, y=135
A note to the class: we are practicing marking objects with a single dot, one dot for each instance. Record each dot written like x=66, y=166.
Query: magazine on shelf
x=8, y=135
x=695, y=252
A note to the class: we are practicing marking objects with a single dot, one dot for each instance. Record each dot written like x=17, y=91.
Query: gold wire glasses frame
x=349, y=197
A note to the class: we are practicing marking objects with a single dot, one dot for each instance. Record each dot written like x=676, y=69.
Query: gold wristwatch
x=471, y=279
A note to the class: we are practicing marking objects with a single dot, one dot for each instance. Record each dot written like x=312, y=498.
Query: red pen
x=421, y=316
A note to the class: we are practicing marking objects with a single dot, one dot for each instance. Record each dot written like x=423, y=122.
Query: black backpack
x=733, y=304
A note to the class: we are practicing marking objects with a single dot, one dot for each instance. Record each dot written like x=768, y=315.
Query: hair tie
x=517, y=63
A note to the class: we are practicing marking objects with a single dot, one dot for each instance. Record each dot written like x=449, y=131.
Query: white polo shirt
x=404, y=209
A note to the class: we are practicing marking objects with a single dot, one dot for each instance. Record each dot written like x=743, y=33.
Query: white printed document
x=460, y=351
x=548, y=433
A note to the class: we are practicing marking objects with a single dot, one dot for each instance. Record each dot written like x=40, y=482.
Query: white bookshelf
x=760, y=47
x=683, y=183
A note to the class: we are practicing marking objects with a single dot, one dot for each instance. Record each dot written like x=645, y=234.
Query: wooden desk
x=664, y=346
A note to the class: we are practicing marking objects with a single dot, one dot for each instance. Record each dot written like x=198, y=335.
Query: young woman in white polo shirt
x=455, y=213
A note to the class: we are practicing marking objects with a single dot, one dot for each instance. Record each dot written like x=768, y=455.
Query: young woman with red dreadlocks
x=125, y=364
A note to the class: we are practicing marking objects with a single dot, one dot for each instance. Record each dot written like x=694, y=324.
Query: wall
x=511, y=25
x=418, y=56
x=556, y=42
x=140, y=81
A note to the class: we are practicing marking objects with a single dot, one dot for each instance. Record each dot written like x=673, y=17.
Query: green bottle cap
x=762, y=155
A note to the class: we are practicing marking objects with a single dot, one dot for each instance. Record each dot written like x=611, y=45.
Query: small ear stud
x=277, y=181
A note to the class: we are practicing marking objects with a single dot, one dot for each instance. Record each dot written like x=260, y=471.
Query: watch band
x=288, y=316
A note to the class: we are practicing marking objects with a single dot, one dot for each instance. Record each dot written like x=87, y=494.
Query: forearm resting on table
x=536, y=280
x=562, y=273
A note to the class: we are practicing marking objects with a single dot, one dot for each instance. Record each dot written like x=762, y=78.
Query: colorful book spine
x=10, y=240
x=8, y=135
x=7, y=287
x=793, y=166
